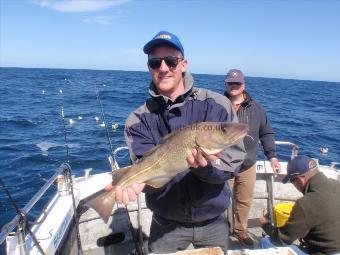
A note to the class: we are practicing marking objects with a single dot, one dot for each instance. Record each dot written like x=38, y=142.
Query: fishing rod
x=75, y=214
x=112, y=158
x=139, y=247
x=22, y=223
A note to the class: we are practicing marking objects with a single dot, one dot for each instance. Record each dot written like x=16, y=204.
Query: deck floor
x=100, y=238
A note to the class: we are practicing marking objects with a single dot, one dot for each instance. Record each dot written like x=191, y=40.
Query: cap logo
x=234, y=74
x=163, y=36
x=312, y=164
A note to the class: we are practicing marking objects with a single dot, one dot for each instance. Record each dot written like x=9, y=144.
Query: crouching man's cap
x=299, y=166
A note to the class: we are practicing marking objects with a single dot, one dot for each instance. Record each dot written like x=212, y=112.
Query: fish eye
x=224, y=129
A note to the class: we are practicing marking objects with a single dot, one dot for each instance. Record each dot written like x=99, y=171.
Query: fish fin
x=149, y=152
x=167, y=136
x=102, y=202
x=119, y=173
x=210, y=151
x=159, y=181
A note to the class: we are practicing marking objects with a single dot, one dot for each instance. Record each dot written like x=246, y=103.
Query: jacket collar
x=247, y=101
x=315, y=183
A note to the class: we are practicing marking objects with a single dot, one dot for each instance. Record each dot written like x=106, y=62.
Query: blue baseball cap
x=299, y=166
x=234, y=75
x=163, y=37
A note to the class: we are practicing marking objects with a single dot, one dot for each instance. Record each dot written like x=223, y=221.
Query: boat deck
x=99, y=238
x=116, y=238
x=56, y=229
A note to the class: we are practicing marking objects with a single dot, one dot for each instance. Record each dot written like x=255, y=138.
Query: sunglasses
x=170, y=61
x=233, y=83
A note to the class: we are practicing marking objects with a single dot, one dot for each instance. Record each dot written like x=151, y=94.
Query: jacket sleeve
x=211, y=174
x=266, y=135
x=223, y=169
x=295, y=227
x=139, y=141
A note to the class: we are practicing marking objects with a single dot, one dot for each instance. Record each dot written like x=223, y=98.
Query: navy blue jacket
x=195, y=195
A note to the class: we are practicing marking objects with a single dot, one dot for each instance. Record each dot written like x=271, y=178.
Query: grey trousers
x=169, y=236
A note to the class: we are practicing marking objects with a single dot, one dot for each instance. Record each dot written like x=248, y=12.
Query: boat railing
x=334, y=164
x=20, y=219
x=115, y=164
x=295, y=148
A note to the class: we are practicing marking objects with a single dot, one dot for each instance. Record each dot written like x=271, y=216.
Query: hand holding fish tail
x=128, y=194
x=198, y=158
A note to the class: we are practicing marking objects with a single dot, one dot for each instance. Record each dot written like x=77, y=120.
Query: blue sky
x=286, y=39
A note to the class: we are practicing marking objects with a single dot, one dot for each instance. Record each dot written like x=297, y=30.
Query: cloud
x=79, y=5
x=101, y=20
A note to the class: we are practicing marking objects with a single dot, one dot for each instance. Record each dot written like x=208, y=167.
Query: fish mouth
x=217, y=137
x=234, y=126
x=234, y=132
x=238, y=131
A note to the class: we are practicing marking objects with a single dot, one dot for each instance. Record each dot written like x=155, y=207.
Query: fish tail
x=103, y=203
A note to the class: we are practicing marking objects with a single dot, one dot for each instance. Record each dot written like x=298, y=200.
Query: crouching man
x=315, y=218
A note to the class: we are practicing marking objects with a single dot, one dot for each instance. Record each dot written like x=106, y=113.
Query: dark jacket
x=315, y=218
x=192, y=196
x=252, y=113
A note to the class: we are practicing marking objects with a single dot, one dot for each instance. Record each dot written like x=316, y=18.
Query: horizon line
x=64, y=68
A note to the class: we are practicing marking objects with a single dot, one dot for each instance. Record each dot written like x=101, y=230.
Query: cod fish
x=167, y=159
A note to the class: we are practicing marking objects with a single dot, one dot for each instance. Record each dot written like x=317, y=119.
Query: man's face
x=168, y=80
x=299, y=182
x=235, y=88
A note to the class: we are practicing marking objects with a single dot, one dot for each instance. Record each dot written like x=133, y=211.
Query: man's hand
x=274, y=162
x=126, y=195
x=265, y=219
x=198, y=158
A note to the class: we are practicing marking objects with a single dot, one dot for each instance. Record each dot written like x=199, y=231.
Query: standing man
x=314, y=218
x=188, y=209
x=250, y=112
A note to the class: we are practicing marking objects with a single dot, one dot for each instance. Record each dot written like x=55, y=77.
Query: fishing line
x=17, y=209
x=75, y=214
x=64, y=125
x=107, y=133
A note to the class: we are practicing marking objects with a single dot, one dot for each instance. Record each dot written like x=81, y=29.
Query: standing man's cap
x=163, y=37
x=299, y=166
x=235, y=75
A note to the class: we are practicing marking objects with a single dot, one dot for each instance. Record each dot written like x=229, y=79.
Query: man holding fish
x=182, y=174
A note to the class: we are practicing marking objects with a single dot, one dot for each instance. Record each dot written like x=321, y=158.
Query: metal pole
x=75, y=214
x=139, y=214
x=21, y=239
